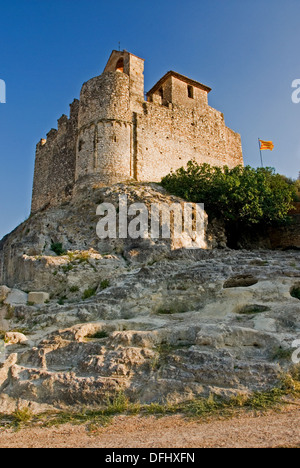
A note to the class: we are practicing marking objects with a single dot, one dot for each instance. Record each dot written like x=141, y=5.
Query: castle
x=114, y=135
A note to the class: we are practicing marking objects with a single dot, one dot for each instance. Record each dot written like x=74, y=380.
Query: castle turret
x=132, y=66
x=103, y=153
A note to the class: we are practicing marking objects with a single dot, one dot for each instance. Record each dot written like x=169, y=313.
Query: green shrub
x=62, y=300
x=89, y=293
x=57, y=248
x=242, y=195
x=67, y=268
x=105, y=284
x=74, y=289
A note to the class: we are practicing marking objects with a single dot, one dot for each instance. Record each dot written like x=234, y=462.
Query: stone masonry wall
x=104, y=135
x=55, y=162
x=168, y=137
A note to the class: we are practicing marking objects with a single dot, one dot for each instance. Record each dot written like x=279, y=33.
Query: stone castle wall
x=114, y=135
x=55, y=163
x=171, y=137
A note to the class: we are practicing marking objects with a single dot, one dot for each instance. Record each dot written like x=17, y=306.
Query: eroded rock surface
x=158, y=330
x=140, y=317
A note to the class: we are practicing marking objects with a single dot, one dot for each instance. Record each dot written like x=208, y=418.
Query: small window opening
x=80, y=145
x=190, y=92
x=120, y=65
x=161, y=93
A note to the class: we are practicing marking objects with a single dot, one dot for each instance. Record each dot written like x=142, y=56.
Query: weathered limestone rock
x=5, y=368
x=16, y=297
x=240, y=281
x=12, y=338
x=139, y=315
x=4, y=291
x=38, y=297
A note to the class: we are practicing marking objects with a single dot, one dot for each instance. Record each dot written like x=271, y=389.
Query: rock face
x=38, y=297
x=160, y=330
x=28, y=263
x=140, y=317
x=4, y=291
x=15, y=297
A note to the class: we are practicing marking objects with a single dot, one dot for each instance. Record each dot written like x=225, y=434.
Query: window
x=190, y=90
x=80, y=145
x=161, y=93
x=120, y=65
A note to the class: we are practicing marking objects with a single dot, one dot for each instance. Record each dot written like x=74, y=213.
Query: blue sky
x=246, y=50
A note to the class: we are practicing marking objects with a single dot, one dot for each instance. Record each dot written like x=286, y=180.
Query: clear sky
x=246, y=50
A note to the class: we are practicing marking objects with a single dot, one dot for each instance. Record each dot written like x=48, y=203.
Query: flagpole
x=261, y=158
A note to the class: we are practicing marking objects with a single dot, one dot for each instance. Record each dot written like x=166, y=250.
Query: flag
x=266, y=145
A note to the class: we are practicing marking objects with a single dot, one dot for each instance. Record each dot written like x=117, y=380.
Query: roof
x=179, y=77
x=124, y=51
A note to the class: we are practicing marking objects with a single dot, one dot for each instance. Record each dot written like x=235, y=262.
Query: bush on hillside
x=242, y=196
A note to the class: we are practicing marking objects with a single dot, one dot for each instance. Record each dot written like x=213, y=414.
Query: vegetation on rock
x=58, y=249
x=239, y=196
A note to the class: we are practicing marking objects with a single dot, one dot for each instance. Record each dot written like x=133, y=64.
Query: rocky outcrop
x=190, y=324
x=140, y=316
x=28, y=263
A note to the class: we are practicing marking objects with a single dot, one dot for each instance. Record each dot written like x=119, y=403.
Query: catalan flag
x=266, y=145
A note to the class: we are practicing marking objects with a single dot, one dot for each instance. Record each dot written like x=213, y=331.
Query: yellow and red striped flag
x=266, y=145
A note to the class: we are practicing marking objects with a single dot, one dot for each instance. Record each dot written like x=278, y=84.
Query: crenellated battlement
x=55, y=162
x=114, y=135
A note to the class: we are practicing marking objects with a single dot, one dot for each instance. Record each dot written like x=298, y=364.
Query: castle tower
x=103, y=149
x=104, y=143
x=133, y=66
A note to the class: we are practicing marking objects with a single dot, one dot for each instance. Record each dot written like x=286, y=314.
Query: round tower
x=103, y=150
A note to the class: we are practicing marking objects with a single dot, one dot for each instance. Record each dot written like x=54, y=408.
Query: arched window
x=190, y=92
x=120, y=65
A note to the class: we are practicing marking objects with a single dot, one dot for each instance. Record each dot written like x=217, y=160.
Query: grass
x=281, y=354
x=80, y=257
x=90, y=292
x=83, y=257
x=74, y=289
x=198, y=408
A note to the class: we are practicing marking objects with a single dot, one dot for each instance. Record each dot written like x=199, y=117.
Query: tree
x=242, y=196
